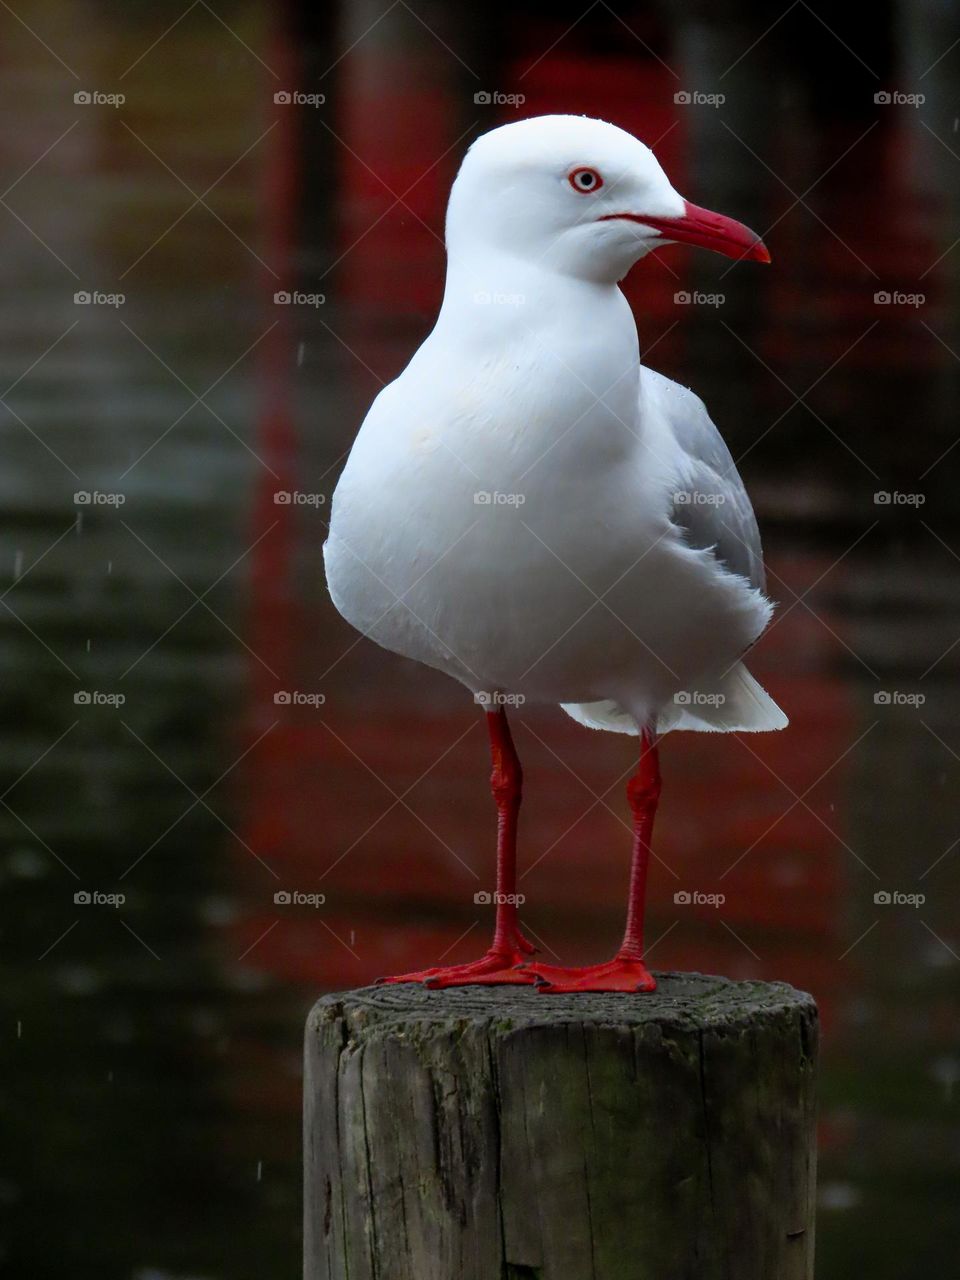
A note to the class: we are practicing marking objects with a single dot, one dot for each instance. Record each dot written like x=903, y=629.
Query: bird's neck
x=552, y=351
x=493, y=297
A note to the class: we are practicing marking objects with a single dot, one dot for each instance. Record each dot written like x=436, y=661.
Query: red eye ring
x=585, y=180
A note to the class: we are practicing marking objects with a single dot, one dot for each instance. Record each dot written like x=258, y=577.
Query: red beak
x=708, y=230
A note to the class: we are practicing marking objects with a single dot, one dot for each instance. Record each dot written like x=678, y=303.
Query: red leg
x=509, y=947
x=626, y=971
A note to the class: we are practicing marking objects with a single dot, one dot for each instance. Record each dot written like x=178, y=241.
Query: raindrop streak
x=259, y=1170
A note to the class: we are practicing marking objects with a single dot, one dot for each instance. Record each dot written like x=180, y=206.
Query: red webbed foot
x=500, y=966
x=619, y=974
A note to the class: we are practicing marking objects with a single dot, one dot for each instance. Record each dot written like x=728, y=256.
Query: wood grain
x=500, y=1134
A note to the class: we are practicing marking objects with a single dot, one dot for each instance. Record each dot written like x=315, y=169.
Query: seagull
x=531, y=510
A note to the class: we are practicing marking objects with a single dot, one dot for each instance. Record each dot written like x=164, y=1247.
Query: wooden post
x=493, y=1133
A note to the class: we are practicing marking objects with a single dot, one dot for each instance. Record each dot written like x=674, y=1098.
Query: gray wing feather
x=710, y=503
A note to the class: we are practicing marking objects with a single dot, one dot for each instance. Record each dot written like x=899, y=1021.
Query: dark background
x=151, y=1051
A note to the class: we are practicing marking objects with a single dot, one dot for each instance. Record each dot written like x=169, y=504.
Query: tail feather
x=602, y=715
x=735, y=704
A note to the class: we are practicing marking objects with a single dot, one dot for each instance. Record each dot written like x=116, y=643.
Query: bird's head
x=580, y=196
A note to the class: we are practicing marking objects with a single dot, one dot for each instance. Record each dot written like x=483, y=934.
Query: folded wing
x=710, y=504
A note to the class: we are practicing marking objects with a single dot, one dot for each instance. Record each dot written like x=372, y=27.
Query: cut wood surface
x=499, y=1134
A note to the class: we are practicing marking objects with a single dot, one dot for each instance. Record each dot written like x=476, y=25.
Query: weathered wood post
x=498, y=1134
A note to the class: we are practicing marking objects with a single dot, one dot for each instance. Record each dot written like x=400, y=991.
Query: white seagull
x=532, y=511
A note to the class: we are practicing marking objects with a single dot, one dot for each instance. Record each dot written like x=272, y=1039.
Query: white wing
x=711, y=508
x=710, y=503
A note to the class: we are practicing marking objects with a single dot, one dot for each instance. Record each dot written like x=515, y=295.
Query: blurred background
x=220, y=234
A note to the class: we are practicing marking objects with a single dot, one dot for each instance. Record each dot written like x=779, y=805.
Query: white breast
x=504, y=516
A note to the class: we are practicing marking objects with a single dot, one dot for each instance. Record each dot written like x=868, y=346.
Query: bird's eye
x=585, y=180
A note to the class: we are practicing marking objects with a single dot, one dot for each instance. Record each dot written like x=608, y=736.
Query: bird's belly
x=538, y=594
